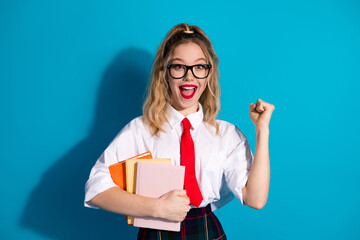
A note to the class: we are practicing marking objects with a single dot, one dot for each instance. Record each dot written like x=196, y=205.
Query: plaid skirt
x=200, y=223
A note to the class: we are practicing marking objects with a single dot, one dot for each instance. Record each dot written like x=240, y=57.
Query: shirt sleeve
x=99, y=179
x=122, y=147
x=238, y=164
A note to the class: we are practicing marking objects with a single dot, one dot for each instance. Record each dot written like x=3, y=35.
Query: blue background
x=72, y=74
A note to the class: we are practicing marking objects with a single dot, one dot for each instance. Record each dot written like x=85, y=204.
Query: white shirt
x=222, y=162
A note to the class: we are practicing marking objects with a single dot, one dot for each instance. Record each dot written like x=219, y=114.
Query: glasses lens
x=200, y=71
x=177, y=71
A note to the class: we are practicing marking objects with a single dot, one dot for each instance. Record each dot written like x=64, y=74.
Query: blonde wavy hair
x=156, y=105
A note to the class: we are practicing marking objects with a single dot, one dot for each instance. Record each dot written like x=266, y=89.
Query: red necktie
x=187, y=152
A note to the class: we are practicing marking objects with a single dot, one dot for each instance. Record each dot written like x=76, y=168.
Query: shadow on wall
x=55, y=207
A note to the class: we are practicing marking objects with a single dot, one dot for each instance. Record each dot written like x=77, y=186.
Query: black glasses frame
x=187, y=69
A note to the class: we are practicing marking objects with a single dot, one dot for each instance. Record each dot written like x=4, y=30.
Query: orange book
x=118, y=170
x=118, y=173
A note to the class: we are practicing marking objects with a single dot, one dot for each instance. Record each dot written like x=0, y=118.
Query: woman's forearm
x=119, y=201
x=257, y=187
x=172, y=206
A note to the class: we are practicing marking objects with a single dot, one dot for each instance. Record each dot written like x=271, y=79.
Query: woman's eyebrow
x=200, y=59
x=181, y=60
x=177, y=59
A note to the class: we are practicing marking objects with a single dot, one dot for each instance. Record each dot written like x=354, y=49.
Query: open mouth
x=188, y=91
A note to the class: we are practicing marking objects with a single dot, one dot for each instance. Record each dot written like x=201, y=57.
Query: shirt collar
x=175, y=117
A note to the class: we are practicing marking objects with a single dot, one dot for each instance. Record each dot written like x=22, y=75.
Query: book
x=154, y=180
x=131, y=173
x=118, y=172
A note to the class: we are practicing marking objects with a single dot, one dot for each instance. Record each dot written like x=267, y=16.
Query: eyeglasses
x=178, y=71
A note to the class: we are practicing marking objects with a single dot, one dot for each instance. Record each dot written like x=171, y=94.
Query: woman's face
x=186, y=92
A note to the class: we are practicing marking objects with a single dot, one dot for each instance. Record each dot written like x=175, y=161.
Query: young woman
x=179, y=122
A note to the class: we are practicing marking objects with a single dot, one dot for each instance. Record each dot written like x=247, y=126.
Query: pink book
x=154, y=180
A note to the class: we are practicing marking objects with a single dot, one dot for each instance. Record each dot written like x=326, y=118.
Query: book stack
x=148, y=177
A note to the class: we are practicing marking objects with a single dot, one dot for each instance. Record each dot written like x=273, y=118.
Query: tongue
x=187, y=92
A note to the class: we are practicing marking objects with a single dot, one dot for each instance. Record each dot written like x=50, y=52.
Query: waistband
x=197, y=212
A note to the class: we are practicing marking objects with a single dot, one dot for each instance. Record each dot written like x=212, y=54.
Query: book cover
x=118, y=172
x=154, y=180
x=131, y=173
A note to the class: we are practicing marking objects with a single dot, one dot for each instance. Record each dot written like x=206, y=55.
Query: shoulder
x=129, y=134
x=229, y=131
x=128, y=141
x=135, y=123
x=135, y=127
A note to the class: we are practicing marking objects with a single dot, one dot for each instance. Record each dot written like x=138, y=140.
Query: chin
x=189, y=104
x=182, y=104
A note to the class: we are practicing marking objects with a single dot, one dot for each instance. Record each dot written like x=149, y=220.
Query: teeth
x=188, y=88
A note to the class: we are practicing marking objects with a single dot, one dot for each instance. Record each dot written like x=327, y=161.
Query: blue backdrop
x=72, y=74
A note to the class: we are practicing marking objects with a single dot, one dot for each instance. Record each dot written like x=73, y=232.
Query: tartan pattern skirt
x=200, y=223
